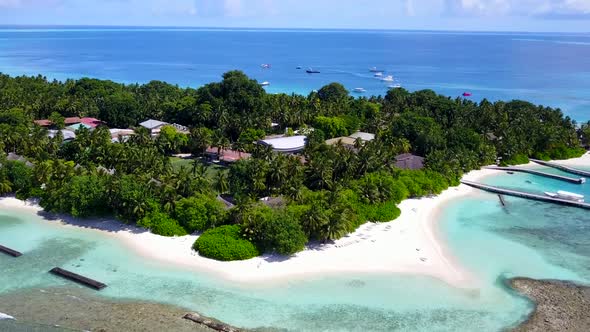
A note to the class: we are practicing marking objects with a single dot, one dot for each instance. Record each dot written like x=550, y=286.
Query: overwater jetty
x=9, y=251
x=564, y=168
x=539, y=173
x=78, y=278
x=535, y=197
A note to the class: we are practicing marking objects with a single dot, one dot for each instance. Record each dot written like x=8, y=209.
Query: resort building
x=68, y=135
x=409, y=161
x=349, y=141
x=120, y=135
x=292, y=144
x=225, y=156
x=73, y=123
x=15, y=157
x=366, y=137
x=155, y=126
x=77, y=126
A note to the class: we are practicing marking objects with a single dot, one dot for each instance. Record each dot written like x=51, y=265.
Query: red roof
x=72, y=120
x=92, y=122
x=229, y=156
x=43, y=123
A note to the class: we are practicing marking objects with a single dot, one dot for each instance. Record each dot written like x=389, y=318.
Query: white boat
x=359, y=90
x=265, y=83
x=375, y=70
x=394, y=86
x=379, y=74
x=387, y=78
x=566, y=195
x=265, y=66
x=570, y=196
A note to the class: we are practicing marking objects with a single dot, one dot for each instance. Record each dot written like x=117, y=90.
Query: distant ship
x=265, y=66
x=466, y=94
x=395, y=86
x=298, y=67
x=388, y=78
x=312, y=71
x=359, y=90
x=375, y=70
x=378, y=74
x=265, y=83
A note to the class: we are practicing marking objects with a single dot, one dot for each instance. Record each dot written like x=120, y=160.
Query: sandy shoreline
x=409, y=245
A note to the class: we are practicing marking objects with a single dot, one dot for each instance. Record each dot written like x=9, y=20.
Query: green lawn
x=212, y=169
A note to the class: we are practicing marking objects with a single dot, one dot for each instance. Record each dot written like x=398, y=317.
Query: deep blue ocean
x=525, y=238
x=550, y=69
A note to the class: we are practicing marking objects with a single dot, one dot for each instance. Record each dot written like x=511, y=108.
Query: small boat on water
x=466, y=94
x=378, y=74
x=298, y=67
x=387, y=78
x=312, y=71
x=375, y=70
x=395, y=86
x=265, y=83
x=265, y=66
x=359, y=90
x=566, y=195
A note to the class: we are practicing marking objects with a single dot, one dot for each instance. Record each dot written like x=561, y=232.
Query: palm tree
x=337, y=225
x=5, y=186
x=221, y=182
x=198, y=168
x=313, y=221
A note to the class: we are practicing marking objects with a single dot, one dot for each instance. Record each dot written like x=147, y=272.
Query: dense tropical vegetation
x=321, y=195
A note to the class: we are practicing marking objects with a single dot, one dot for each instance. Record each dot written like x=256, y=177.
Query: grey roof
x=367, y=137
x=409, y=161
x=67, y=134
x=152, y=124
x=15, y=157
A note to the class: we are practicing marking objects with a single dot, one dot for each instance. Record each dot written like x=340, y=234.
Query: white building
x=292, y=144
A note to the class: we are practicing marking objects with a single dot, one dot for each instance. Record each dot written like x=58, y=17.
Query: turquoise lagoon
x=522, y=239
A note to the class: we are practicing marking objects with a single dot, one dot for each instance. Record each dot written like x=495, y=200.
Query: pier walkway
x=9, y=251
x=562, y=167
x=515, y=193
x=539, y=173
x=78, y=278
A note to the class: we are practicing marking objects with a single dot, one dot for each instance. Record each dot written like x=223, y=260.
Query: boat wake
x=5, y=316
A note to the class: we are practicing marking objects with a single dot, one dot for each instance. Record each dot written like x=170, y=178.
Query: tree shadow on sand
x=103, y=224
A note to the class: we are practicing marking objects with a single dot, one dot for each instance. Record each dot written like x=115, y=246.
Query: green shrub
x=225, y=243
x=81, y=196
x=383, y=212
x=199, y=213
x=517, y=159
x=162, y=224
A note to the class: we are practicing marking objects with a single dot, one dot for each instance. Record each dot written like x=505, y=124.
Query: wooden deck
x=10, y=252
x=539, y=173
x=563, y=168
x=515, y=193
x=78, y=278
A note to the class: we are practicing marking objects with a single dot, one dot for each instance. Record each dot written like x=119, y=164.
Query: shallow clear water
x=551, y=69
x=523, y=239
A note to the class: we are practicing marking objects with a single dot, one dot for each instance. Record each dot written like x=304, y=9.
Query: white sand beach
x=408, y=245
